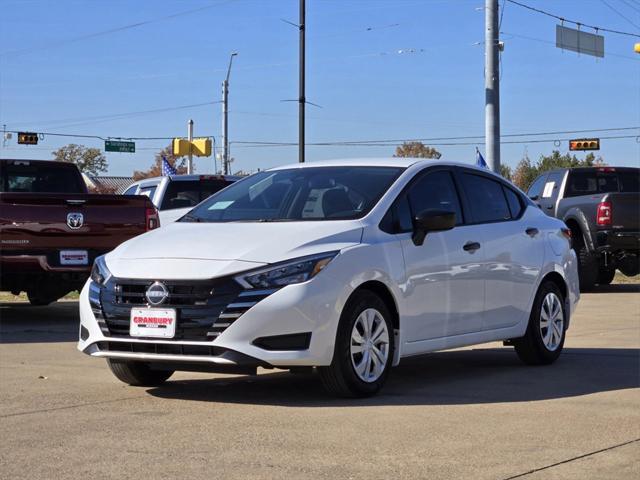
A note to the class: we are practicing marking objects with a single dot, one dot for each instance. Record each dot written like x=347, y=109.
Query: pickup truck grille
x=204, y=308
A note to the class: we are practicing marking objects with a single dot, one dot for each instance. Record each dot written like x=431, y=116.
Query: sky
x=378, y=69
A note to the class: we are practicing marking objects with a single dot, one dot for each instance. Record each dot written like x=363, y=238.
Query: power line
x=620, y=14
x=630, y=5
x=432, y=139
x=445, y=144
x=111, y=30
x=566, y=20
x=117, y=116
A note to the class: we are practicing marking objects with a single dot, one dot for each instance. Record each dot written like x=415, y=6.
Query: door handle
x=471, y=246
x=532, y=231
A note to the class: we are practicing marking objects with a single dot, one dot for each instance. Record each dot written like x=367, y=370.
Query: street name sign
x=119, y=146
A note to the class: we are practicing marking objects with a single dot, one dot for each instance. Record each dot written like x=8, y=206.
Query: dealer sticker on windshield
x=153, y=322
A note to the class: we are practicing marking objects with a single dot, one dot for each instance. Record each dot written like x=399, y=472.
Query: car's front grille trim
x=204, y=309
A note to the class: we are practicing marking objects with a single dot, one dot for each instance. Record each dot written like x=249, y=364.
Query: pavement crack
x=66, y=407
x=535, y=470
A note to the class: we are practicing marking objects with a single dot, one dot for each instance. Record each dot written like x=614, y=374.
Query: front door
x=444, y=290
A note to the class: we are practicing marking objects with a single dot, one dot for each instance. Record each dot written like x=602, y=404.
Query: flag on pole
x=479, y=160
x=167, y=168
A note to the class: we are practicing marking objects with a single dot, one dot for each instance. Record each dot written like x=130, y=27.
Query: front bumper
x=290, y=311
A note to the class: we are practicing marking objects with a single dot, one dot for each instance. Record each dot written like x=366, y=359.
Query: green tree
x=155, y=170
x=416, y=150
x=90, y=161
x=505, y=171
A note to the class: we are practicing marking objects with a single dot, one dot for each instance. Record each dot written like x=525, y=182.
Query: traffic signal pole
x=492, y=85
x=225, y=118
x=301, y=100
x=190, y=137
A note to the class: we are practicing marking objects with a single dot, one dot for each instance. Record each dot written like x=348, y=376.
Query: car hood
x=228, y=247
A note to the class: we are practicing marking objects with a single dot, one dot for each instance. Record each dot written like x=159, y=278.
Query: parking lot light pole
x=225, y=118
x=190, y=137
x=301, y=100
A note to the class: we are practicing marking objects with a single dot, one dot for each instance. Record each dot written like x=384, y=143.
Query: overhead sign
x=119, y=146
x=585, y=144
x=579, y=41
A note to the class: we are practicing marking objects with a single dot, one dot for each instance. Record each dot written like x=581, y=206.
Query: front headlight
x=286, y=273
x=99, y=272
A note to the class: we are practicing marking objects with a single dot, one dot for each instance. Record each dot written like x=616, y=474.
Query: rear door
x=445, y=285
x=512, y=244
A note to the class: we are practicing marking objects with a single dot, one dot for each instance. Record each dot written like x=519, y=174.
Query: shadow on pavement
x=446, y=378
x=617, y=288
x=23, y=323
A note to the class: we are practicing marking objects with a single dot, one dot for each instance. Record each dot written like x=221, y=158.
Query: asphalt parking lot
x=471, y=413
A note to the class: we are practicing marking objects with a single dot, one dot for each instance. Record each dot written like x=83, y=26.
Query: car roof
x=401, y=162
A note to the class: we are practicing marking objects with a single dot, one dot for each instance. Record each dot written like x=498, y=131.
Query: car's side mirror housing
x=431, y=221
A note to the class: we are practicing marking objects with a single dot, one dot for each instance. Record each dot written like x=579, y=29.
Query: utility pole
x=301, y=100
x=225, y=118
x=190, y=137
x=492, y=85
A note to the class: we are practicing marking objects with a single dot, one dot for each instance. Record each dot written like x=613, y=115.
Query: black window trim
x=459, y=171
x=417, y=177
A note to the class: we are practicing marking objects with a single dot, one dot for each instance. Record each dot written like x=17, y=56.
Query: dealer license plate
x=153, y=322
x=74, y=257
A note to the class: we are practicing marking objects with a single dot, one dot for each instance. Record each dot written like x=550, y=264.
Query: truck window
x=148, y=191
x=131, y=190
x=183, y=194
x=592, y=182
x=535, y=190
x=40, y=179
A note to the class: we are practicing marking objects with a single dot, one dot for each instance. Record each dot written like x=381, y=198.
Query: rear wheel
x=40, y=299
x=138, y=374
x=544, y=338
x=605, y=276
x=364, y=348
x=587, y=267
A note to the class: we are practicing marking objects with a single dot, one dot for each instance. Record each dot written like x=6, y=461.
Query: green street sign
x=118, y=146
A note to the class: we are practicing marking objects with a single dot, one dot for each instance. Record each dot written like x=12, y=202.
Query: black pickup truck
x=601, y=207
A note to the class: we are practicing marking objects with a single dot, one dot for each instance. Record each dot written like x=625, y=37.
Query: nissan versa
x=345, y=266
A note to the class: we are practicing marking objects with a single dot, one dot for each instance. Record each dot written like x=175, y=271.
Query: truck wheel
x=587, y=268
x=137, y=374
x=605, y=276
x=544, y=339
x=364, y=348
x=40, y=299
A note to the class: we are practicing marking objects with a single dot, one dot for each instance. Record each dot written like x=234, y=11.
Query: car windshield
x=298, y=194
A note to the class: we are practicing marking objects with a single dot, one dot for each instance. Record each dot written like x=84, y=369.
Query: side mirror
x=431, y=221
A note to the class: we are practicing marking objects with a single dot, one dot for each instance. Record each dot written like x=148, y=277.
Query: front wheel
x=137, y=374
x=364, y=348
x=544, y=339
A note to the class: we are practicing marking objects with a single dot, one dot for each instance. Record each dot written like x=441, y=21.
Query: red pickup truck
x=51, y=228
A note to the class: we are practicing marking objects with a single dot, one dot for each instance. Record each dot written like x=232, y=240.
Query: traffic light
x=584, y=144
x=28, y=138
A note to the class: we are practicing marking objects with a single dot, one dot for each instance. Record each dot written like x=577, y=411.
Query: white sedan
x=346, y=266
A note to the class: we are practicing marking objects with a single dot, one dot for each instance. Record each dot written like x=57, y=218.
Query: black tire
x=531, y=348
x=137, y=374
x=38, y=299
x=605, y=276
x=340, y=378
x=587, y=267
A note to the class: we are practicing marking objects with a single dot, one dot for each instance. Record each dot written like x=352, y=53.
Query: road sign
x=584, y=144
x=579, y=41
x=119, y=146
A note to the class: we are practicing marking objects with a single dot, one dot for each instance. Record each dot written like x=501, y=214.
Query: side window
x=513, y=199
x=486, y=199
x=535, y=190
x=148, y=191
x=552, y=185
x=434, y=191
x=131, y=190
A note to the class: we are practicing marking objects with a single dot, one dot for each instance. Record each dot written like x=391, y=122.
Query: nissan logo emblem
x=157, y=293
